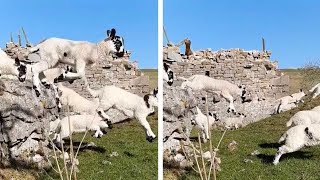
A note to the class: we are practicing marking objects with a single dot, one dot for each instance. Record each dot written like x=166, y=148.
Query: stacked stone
x=24, y=123
x=14, y=50
x=250, y=68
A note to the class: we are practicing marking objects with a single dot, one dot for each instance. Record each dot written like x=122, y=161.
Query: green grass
x=263, y=136
x=153, y=77
x=137, y=157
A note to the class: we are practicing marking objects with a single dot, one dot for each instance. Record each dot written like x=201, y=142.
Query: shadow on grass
x=270, y=145
x=268, y=159
x=84, y=146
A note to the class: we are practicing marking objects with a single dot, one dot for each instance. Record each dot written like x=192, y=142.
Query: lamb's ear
x=108, y=33
x=112, y=33
x=155, y=91
x=210, y=114
x=146, y=100
x=17, y=62
x=301, y=90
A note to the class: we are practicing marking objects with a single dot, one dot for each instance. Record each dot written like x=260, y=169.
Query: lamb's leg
x=316, y=93
x=36, y=69
x=203, y=134
x=229, y=98
x=143, y=121
x=80, y=74
x=206, y=130
x=102, y=114
x=284, y=150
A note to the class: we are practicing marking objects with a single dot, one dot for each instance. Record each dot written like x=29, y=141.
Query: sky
x=291, y=29
x=85, y=20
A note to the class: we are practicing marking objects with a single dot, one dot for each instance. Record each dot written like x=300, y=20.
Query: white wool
x=235, y=122
x=296, y=138
x=130, y=104
x=224, y=88
x=201, y=122
x=80, y=123
x=305, y=118
x=315, y=90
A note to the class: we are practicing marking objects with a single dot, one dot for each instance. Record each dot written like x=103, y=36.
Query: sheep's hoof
x=37, y=93
x=150, y=139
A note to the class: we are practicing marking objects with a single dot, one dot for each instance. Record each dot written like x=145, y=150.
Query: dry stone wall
x=120, y=72
x=254, y=69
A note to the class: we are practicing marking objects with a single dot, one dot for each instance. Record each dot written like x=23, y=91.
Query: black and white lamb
x=298, y=137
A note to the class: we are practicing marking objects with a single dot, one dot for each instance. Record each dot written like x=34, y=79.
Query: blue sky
x=291, y=29
x=86, y=20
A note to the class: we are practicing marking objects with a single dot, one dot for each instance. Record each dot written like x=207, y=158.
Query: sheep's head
x=244, y=93
x=22, y=70
x=168, y=74
x=151, y=100
x=115, y=44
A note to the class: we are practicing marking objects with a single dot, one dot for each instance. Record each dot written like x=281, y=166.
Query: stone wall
x=254, y=69
x=24, y=123
x=120, y=72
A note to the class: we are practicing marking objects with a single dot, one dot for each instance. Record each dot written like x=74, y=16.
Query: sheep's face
x=22, y=70
x=153, y=101
x=167, y=74
x=115, y=43
x=244, y=93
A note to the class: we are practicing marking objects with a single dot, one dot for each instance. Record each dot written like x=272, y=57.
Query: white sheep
x=78, y=103
x=9, y=66
x=222, y=87
x=130, y=104
x=76, y=53
x=298, y=137
x=315, y=90
x=80, y=123
x=305, y=118
x=317, y=108
x=167, y=74
x=201, y=122
x=286, y=102
x=234, y=122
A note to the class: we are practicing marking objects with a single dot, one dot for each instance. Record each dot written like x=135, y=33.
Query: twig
x=202, y=159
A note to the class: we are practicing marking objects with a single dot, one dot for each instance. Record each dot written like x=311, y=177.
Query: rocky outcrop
x=24, y=123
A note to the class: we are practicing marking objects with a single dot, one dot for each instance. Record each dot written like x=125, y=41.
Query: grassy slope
x=153, y=77
x=263, y=136
x=137, y=157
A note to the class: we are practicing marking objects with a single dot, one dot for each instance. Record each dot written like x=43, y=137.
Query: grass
x=262, y=136
x=153, y=76
x=137, y=158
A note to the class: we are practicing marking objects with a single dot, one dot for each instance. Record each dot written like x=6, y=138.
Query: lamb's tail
x=289, y=123
x=314, y=87
x=283, y=137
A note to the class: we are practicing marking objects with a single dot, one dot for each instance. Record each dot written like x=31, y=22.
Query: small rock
x=233, y=146
x=114, y=154
x=37, y=158
x=254, y=153
x=179, y=158
x=247, y=161
x=105, y=162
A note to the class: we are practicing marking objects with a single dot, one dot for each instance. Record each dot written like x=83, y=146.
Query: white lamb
x=234, y=122
x=224, y=88
x=201, y=122
x=296, y=138
x=76, y=53
x=305, y=118
x=317, y=108
x=80, y=104
x=287, y=102
x=315, y=90
x=130, y=104
x=80, y=123
x=9, y=66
